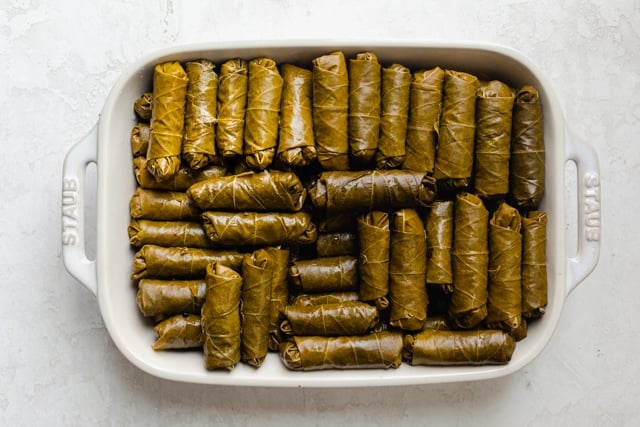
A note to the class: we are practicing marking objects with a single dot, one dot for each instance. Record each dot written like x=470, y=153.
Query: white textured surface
x=59, y=60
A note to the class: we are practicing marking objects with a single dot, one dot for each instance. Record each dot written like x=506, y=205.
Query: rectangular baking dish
x=107, y=145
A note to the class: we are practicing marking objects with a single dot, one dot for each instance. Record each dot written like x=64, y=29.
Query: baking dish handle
x=73, y=187
x=589, y=217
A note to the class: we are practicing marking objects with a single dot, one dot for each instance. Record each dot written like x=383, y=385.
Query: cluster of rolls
x=346, y=216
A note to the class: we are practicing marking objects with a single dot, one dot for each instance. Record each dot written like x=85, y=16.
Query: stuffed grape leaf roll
x=394, y=115
x=231, y=107
x=325, y=274
x=296, y=146
x=527, y=168
x=470, y=261
x=454, y=156
x=425, y=105
x=179, y=332
x=264, y=191
x=534, y=264
x=408, y=297
x=198, y=147
x=331, y=110
x=167, y=120
x=364, y=191
x=332, y=319
x=444, y=348
x=364, y=107
x=264, y=94
x=374, y=234
x=259, y=228
x=220, y=317
x=375, y=350
x=157, y=297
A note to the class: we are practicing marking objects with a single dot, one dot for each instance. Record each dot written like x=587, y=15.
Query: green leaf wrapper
x=221, y=318
x=232, y=105
x=259, y=228
x=167, y=233
x=143, y=106
x=140, y=135
x=364, y=106
x=157, y=297
x=408, y=298
x=278, y=263
x=198, y=147
x=296, y=146
x=424, y=120
x=534, y=264
x=505, y=258
x=336, y=244
x=255, y=308
x=364, y=191
x=163, y=205
x=250, y=191
x=376, y=350
x=179, y=332
x=394, y=116
x=264, y=94
x=374, y=235
x=331, y=111
x=445, y=348
x=494, y=108
x=439, y=226
x=454, y=156
x=183, y=179
x=162, y=262
x=167, y=120
x=470, y=261
x=527, y=169
x=325, y=298
x=336, y=319
x=325, y=274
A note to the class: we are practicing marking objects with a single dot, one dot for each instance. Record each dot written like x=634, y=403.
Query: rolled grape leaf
x=527, y=169
x=376, y=350
x=264, y=94
x=325, y=274
x=221, y=318
x=143, y=106
x=494, y=108
x=250, y=191
x=232, y=105
x=364, y=107
x=296, y=146
x=140, y=135
x=444, y=348
x=167, y=233
x=167, y=120
x=374, y=236
x=162, y=205
x=454, y=156
x=278, y=263
x=335, y=319
x=424, y=120
x=179, y=332
x=534, y=264
x=470, y=261
x=364, y=191
x=255, y=308
x=330, y=110
x=259, y=228
x=394, y=116
x=439, y=226
x=520, y=332
x=162, y=262
x=408, y=297
x=198, y=147
x=336, y=244
x=505, y=258
x=182, y=180
x=325, y=298
x=156, y=297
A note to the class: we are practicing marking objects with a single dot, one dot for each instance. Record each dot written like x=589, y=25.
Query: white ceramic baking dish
x=108, y=146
